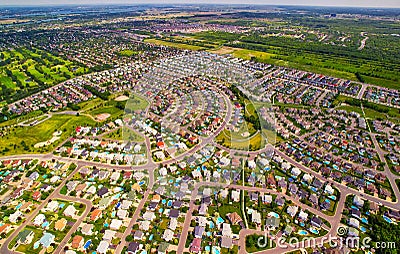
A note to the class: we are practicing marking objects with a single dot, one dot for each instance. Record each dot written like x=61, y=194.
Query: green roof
x=163, y=247
x=23, y=235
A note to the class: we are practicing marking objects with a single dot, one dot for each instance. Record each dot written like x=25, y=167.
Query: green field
x=226, y=138
x=371, y=110
x=127, y=52
x=21, y=140
x=174, y=44
x=253, y=240
x=136, y=102
x=110, y=109
x=25, y=71
x=125, y=134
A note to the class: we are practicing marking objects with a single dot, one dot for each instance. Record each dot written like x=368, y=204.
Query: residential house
x=39, y=219
x=96, y=214
x=195, y=246
x=115, y=224
x=226, y=242
x=47, y=239
x=77, y=242
x=60, y=224
x=198, y=231
x=168, y=235
x=25, y=236
x=316, y=222
x=133, y=248
x=87, y=229
x=102, y=248
x=292, y=210
x=70, y=211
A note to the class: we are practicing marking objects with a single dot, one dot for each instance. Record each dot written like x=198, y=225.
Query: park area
x=22, y=139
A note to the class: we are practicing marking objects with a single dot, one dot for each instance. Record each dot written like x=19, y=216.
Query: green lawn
x=22, y=139
x=112, y=110
x=392, y=113
x=127, y=52
x=255, y=244
x=125, y=134
x=28, y=248
x=255, y=142
x=136, y=102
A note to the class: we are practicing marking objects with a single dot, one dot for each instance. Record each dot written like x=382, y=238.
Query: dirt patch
x=122, y=98
x=223, y=50
x=56, y=136
x=102, y=117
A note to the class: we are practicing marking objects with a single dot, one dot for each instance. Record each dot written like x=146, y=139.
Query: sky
x=354, y=3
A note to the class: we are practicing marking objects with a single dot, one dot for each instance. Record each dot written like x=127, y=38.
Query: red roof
x=196, y=245
x=160, y=144
x=95, y=214
x=77, y=241
x=36, y=195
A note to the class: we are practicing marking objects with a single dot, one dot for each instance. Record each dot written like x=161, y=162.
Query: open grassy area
x=125, y=133
x=111, y=109
x=255, y=142
x=174, y=44
x=21, y=140
x=371, y=110
x=136, y=102
x=127, y=52
x=90, y=104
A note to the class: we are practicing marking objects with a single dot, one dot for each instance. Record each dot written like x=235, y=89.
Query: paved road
x=344, y=190
x=78, y=222
x=321, y=97
x=132, y=222
x=150, y=166
x=4, y=248
x=392, y=177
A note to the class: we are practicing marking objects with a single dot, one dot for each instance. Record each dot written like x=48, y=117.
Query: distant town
x=199, y=129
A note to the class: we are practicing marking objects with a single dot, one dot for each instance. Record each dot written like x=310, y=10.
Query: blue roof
x=47, y=239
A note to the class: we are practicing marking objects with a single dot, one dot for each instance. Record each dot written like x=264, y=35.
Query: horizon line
x=188, y=4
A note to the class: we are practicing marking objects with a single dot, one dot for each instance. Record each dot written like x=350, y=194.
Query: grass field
x=392, y=114
x=174, y=44
x=111, y=109
x=125, y=134
x=24, y=71
x=90, y=104
x=136, y=102
x=252, y=243
x=127, y=52
x=20, y=140
x=255, y=142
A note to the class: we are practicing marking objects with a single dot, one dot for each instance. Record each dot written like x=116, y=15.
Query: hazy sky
x=364, y=3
